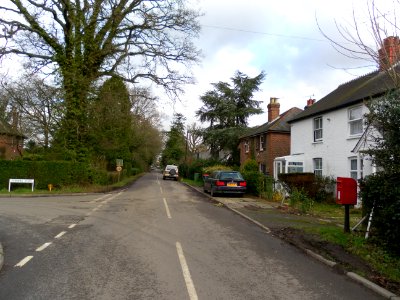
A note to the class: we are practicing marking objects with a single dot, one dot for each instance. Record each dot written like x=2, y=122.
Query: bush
x=320, y=189
x=299, y=181
x=257, y=183
x=382, y=192
x=299, y=199
x=210, y=169
x=58, y=173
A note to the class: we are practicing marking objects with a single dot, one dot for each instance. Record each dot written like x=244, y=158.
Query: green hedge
x=58, y=173
x=382, y=192
x=320, y=189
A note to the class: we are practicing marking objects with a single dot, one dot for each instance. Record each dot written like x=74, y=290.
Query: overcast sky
x=280, y=38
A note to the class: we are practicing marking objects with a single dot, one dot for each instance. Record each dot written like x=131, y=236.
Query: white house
x=327, y=136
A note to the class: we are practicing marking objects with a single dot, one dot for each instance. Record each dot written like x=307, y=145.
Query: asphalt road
x=156, y=240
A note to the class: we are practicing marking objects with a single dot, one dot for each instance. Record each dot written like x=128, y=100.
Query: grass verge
x=355, y=243
x=72, y=189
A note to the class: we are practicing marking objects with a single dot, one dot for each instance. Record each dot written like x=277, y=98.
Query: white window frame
x=356, y=171
x=355, y=121
x=246, y=146
x=318, y=129
x=353, y=171
x=317, y=162
x=261, y=141
x=295, y=167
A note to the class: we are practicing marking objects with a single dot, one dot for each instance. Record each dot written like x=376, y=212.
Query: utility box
x=346, y=191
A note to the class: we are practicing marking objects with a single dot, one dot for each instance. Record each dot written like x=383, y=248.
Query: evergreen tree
x=111, y=123
x=175, y=146
x=227, y=109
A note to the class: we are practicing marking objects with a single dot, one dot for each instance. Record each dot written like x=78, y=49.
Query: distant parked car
x=171, y=171
x=229, y=182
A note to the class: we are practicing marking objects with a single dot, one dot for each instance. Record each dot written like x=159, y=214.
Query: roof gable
x=7, y=129
x=280, y=124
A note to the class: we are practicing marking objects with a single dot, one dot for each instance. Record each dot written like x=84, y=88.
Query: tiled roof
x=7, y=129
x=280, y=124
x=368, y=86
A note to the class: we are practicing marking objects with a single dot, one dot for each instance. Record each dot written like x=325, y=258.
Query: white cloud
x=279, y=37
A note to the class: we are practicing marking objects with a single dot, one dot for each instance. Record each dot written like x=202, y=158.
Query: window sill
x=317, y=142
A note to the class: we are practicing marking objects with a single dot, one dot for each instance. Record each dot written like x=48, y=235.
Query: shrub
x=299, y=181
x=257, y=183
x=382, y=192
x=210, y=169
x=299, y=199
x=320, y=189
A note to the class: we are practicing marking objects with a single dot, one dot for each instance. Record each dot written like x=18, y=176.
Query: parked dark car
x=229, y=182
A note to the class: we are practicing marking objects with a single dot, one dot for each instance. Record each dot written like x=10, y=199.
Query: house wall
x=10, y=146
x=278, y=144
x=259, y=155
x=335, y=148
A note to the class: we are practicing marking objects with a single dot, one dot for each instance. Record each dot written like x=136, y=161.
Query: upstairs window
x=246, y=146
x=318, y=129
x=262, y=144
x=317, y=166
x=355, y=121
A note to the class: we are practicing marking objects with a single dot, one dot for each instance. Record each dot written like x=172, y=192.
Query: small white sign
x=31, y=181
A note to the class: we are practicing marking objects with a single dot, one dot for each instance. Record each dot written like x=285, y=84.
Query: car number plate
x=231, y=184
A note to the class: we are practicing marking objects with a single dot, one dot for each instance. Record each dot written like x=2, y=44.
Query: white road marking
x=23, y=261
x=44, y=246
x=98, y=199
x=167, y=208
x=161, y=189
x=71, y=226
x=186, y=274
x=60, y=234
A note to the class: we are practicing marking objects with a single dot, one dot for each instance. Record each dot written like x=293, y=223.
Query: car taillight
x=243, y=183
x=219, y=183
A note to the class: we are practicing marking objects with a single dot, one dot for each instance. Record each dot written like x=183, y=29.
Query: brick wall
x=10, y=146
x=277, y=144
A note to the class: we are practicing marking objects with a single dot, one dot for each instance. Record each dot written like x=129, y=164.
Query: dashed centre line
x=44, y=246
x=167, y=208
x=24, y=261
x=186, y=273
x=60, y=234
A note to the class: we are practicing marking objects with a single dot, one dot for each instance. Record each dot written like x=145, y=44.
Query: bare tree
x=82, y=41
x=144, y=105
x=194, y=138
x=368, y=41
x=38, y=105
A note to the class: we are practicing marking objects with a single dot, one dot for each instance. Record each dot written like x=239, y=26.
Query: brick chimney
x=389, y=54
x=15, y=119
x=309, y=103
x=273, y=109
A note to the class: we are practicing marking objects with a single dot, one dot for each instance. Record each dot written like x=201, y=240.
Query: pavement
x=266, y=215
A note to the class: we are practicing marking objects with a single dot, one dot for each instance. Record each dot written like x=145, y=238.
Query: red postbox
x=346, y=191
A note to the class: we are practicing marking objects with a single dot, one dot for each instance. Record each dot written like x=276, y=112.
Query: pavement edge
x=361, y=280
